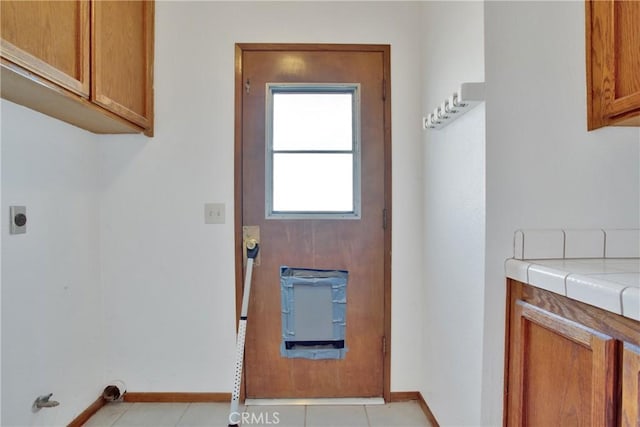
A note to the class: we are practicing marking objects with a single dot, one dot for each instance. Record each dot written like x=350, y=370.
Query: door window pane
x=304, y=182
x=312, y=121
x=313, y=155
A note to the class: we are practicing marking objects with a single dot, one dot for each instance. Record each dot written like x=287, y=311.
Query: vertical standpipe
x=252, y=248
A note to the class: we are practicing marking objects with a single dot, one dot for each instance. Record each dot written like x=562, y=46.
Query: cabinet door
x=122, y=58
x=630, y=386
x=560, y=372
x=48, y=38
x=613, y=62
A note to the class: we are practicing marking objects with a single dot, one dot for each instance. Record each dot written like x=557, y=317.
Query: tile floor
x=400, y=414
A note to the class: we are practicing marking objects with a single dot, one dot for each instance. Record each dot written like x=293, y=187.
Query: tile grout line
x=121, y=415
x=183, y=413
x=366, y=415
x=622, y=310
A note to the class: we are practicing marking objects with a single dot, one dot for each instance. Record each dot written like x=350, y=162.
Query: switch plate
x=18, y=218
x=214, y=213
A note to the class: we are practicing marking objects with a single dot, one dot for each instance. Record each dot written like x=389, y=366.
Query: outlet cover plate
x=13, y=212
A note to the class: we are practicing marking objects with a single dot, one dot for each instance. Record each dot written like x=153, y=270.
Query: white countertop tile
x=584, y=243
x=610, y=284
x=516, y=269
x=539, y=244
x=631, y=303
x=628, y=280
x=622, y=243
x=628, y=265
x=586, y=265
x=551, y=279
x=595, y=291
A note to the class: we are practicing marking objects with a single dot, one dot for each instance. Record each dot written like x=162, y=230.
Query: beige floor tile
x=108, y=414
x=152, y=414
x=401, y=414
x=398, y=414
x=281, y=416
x=205, y=415
x=336, y=416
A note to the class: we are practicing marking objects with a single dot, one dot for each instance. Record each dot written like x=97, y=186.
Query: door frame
x=240, y=48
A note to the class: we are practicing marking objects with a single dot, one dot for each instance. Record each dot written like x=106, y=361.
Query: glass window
x=313, y=155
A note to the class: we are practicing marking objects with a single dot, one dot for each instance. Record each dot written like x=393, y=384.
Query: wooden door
x=359, y=245
x=630, y=386
x=50, y=39
x=122, y=59
x=613, y=63
x=560, y=372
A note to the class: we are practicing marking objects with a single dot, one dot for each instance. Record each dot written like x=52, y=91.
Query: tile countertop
x=597, y=267
x=612, y=284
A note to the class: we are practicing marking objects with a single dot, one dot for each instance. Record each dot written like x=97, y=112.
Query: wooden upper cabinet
x=561, y=373
x=613, y=63
x=86, y=62
x=630, y=386
x=122, y=58
x=50, y=39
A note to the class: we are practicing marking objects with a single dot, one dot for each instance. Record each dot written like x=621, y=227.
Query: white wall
x=544, y=170
x=454, y=222
x=52, y=337
x=118, y=277
x=116, y=222
x=2, y=219
x=169, y=278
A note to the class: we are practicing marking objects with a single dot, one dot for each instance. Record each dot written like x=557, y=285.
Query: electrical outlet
x=214, y=213
x=18, y=218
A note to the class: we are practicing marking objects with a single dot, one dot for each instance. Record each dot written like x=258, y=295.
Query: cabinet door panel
x=624, y=73
x=613, y=63
x=627, y=46
x=50, y=39
x=630, y=386
x=122, y=55
x=561, y=373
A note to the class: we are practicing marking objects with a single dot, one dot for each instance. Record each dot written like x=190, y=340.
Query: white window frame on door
x=345, y=88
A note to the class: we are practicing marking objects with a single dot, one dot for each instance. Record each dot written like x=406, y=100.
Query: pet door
x=313, y=313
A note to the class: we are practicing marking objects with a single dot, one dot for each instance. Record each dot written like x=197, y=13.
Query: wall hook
x=44, y=402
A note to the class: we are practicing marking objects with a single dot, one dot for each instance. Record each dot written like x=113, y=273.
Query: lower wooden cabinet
x=564, y=372
x=567, y=362
x=631, y=385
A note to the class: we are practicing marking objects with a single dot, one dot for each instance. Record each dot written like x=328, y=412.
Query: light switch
x=214, y=213
x=18, y=218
